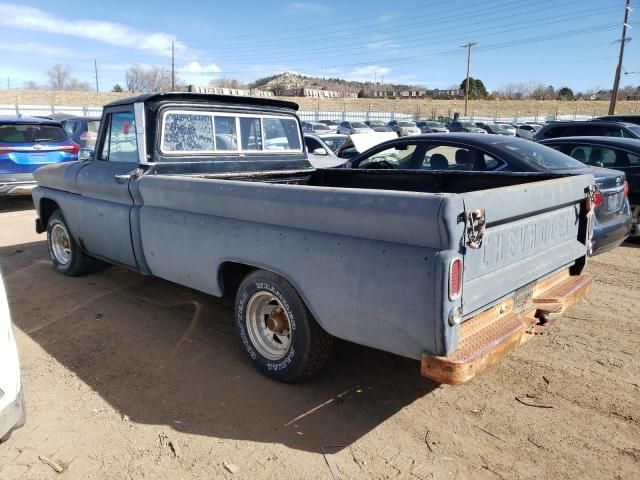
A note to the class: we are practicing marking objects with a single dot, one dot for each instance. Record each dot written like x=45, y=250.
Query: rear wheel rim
x=60, y=244
x=268, y=325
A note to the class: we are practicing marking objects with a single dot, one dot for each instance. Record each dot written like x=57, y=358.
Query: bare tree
x=59, y=76
x=153, y=79
x=31, y=85
x=135, y=79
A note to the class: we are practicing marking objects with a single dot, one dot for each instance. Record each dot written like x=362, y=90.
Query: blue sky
x=558, y=42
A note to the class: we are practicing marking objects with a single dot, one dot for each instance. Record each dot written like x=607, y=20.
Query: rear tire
x=66, y=255
x=276, y=329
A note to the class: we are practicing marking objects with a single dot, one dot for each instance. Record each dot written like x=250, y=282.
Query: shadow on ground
x=15, y=204
x=164, y=354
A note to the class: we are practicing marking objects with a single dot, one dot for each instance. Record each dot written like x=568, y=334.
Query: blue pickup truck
x=216, y=193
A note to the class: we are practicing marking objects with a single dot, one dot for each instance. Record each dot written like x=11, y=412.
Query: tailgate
x=531, y=230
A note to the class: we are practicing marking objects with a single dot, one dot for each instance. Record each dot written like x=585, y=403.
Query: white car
x=320, y=154
x=404, y=128
x=349, y=128
x=525, y=131
x=12, y=412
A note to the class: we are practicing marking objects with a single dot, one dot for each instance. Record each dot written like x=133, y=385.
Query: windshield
x=469, y=125
x=407, y=124
x=320, y=126
x=358, y=125
x=540, y=155
x=335, y=142
x=435, y=124
x=634, y=128
x=32, y=133
x=376, y=124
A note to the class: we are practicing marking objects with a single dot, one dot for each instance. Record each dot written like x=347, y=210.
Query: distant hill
x=287, y=80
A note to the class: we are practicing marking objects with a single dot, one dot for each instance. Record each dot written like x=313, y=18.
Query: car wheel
x=276, y=329
x=66, y=255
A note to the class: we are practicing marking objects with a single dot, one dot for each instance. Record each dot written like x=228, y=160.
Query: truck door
x=104, y=186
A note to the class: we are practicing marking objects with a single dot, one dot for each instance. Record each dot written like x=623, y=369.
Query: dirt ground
x=129, y=377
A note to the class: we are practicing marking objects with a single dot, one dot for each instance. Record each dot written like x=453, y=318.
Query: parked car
x=368, y=257
x=334, y=140
x=12, y=412
x=592, y=128
x=431, y=126
x=319, y=153
x=332, y=124
x=349, y=128
x=618, y=153
x=404, y=128
x=316, y=127
x=525, y=131
x=507, y=126
x=465, y=127
x=496, y=129
x=27, y=143
x=635, y=119
x=378, y=126
x=82, y=130
x=475, y=153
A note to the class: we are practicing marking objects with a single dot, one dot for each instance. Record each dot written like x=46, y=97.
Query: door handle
x=125, y=177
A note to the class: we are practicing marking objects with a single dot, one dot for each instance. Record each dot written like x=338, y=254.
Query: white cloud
x=29, y=18
x=366, y=73
x=197, y=67
x=37, y=48
x=304, y=7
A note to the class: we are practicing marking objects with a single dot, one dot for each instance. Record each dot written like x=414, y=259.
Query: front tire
x=66, y=255
x=276, y=329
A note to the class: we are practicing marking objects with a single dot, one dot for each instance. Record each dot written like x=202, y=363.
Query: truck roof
x=205, y=97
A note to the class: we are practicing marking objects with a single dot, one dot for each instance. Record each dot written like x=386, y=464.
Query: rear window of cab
x=206, y=133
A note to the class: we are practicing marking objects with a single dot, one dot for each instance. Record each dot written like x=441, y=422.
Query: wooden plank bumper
x=491, y=335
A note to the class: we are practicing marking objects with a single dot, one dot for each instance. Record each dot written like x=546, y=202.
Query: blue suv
x=27, y=143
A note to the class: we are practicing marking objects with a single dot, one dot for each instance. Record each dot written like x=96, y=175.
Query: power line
x=623, y=41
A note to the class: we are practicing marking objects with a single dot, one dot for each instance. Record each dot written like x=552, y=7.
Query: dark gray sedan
x=482, y=153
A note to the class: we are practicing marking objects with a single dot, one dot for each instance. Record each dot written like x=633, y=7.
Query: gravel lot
x=132, y=377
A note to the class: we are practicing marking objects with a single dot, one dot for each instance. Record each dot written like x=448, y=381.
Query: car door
x=104, y=186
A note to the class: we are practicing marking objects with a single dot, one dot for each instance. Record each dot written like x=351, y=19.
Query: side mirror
x=85, y=154
x=320, y=151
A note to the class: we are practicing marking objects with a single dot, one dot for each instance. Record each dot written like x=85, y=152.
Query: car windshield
x=468, y=125
x=407, y=124
x=32, y=133
x=543, y=156
x=634, y=128
x=335, y=142
x=333, y=123
x=435, y=124
x=358, y=125
x=376, y=124
x=320, y=126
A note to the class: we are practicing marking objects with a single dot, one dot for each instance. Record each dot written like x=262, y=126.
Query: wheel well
x=47, y=207
x=231, y=274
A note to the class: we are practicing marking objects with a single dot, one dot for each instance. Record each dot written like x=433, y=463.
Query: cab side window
x=120, y=144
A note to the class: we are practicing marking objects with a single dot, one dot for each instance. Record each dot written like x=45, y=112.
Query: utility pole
x=95, y=64
x=623, y=40
x=173, y=66
x=468, y=46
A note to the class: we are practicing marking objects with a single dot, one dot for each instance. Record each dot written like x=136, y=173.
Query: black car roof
x=202, y=97
x=620, y=142
x=592, y=122
x=22, y=120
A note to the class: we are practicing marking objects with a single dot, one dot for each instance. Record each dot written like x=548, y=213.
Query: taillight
x=598, y=199
x=626, y=188
x=6, y=150
x=455, y=279
x=73, y=148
